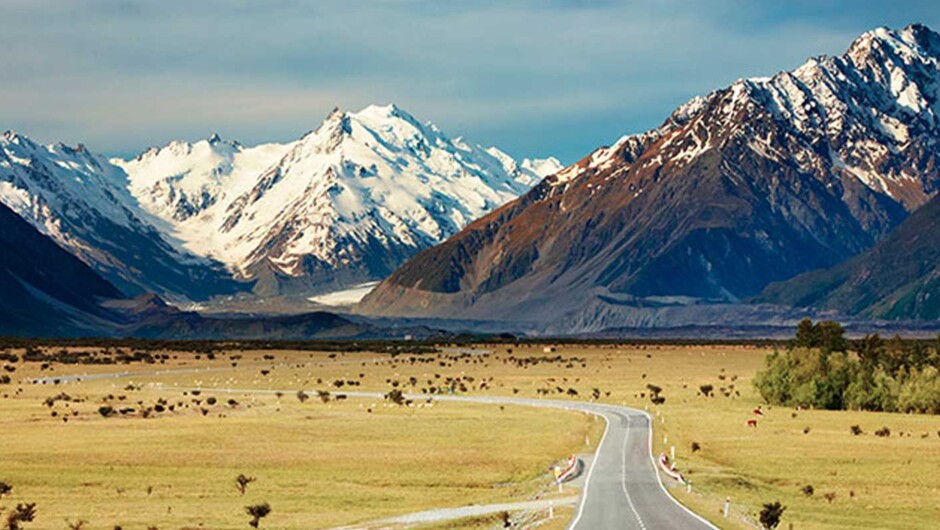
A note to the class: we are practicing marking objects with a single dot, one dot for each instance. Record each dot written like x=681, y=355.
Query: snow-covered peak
x=362, y=191
x=181, y=179
x=36, y=179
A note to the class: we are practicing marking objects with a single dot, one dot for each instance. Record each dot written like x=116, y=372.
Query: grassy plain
x=318, y=464
x=330, y=464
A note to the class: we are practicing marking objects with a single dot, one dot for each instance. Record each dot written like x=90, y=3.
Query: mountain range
x=813, y=190
x=344, y=204
x=754, y=183
x=46, y=291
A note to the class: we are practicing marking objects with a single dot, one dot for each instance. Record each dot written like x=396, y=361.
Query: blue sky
x=536, y=78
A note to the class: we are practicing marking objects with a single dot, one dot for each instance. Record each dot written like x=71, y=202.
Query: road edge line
x=587, y=478
x=659, y=478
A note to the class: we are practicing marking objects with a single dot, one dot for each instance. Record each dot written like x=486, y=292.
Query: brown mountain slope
x=752, y=184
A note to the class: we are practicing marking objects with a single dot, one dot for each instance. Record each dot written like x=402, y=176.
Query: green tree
x=807, y=335
x=831, y=337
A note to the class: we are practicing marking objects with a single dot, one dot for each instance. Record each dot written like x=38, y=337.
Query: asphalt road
x=622, y=487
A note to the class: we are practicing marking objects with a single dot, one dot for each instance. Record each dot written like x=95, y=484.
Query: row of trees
x=820, y=371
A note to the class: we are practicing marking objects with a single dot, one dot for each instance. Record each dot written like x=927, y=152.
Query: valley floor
x=348, y=462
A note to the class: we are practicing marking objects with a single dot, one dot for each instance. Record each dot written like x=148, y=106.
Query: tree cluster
x=820, y=371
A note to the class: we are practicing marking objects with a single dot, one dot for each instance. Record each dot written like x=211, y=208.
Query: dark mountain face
x=898, y=278
x=752, y=184
x=80, y=200
x=43, y=288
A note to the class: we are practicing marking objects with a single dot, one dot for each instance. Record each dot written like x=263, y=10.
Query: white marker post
x=727, y=505
x=672, y=453
x=551, y=510
x=688, y=487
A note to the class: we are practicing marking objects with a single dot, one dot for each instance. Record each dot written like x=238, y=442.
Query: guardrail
x=571, y=469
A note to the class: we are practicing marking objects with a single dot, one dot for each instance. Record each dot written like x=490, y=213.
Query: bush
x=696, y=447
x=808, y=490
x=23, y=513
x=258, y=512
x=921, y=392
x=396, y=396
x=242, y=482
x=856, y=430
x=106, y=411
x=706, y=390
x=770, y=515
x=883, y=432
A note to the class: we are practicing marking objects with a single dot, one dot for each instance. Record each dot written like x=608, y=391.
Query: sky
x=533, y=77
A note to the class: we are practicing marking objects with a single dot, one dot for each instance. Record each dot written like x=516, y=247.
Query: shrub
x=808, y=490
x=5, y=489
x=242, y=482
x=706, y=390
x=23, y=513
x=696, y=447
x=257, y=512
x=829, y=496
x=396, y=397
x=302, y=396
x=856, y=430
x=883, y=432
x=106, y=411
x=770, y=514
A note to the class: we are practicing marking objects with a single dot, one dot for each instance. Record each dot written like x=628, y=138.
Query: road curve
x=622, y=488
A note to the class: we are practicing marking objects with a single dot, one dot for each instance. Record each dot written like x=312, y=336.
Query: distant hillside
x=899, y=278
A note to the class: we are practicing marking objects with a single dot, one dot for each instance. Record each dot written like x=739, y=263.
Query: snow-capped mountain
x=82, y=202
x=753, y=183
x=344, y=204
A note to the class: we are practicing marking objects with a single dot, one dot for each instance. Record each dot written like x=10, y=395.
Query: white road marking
x=623, y=477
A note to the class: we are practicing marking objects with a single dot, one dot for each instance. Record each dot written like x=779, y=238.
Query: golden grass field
x=324, y=465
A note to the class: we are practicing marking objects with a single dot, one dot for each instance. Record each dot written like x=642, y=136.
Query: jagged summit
x=352, y=198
